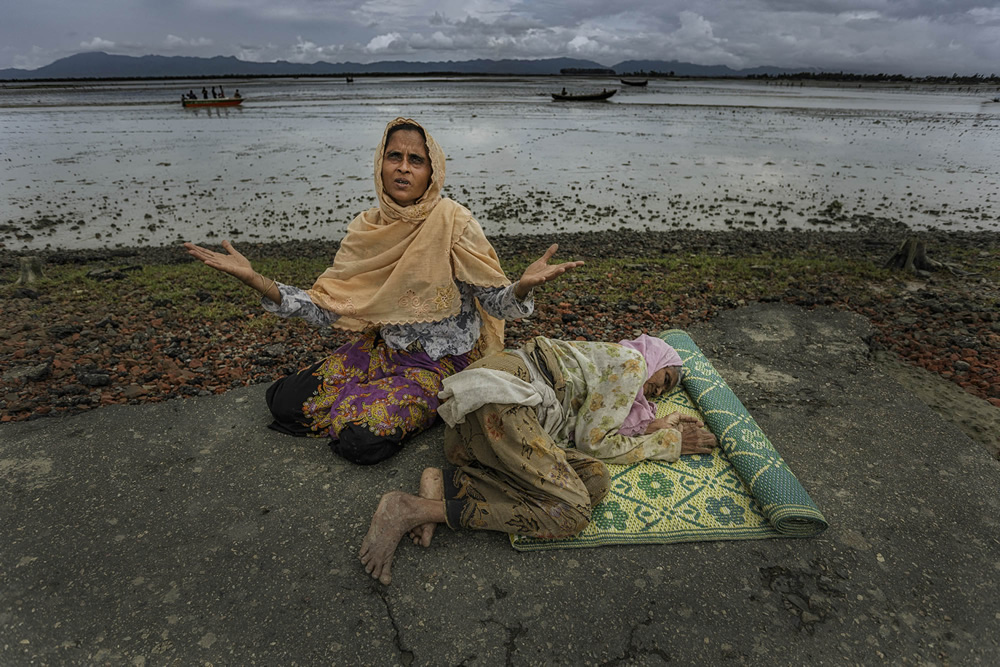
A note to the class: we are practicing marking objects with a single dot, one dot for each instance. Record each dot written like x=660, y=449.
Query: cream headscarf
x=398, y=264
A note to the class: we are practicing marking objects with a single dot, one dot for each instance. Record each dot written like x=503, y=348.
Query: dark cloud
x=909, y=36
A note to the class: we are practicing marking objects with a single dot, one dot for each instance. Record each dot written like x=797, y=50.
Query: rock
x=29, y=373
x=39, y=372
x=94, y=379
x=134, y=391
x=961, y=366
x=964, y=341
x=25, y=293
x=64, y=330
x=21, y=406
x=275, y=350
x=105, y=274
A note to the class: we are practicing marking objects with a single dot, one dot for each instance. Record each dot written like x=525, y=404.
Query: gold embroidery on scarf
x=445, y=298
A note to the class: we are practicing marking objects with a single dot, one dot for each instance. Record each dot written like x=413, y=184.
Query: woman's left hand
x=541, y=272
x=695, y=438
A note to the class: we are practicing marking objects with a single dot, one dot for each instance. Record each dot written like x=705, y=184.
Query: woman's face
x=661, y=381
x=406, y=168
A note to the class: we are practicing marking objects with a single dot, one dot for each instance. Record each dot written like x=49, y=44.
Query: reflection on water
x=217, y=112
x=124, y=163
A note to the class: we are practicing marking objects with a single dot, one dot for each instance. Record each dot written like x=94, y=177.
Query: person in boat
x=191, y=95
x=237, y=94
x=423, y=288
x=222, y=94
x=204, y=92
x=529, y=432
x=563, y=92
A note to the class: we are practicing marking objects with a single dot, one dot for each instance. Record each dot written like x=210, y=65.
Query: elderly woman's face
x=661, y=381
x=406, y=168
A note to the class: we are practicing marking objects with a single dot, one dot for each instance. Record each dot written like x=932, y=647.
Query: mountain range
x=100, y=65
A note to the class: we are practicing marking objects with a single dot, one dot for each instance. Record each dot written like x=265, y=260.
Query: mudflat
x=123, y=165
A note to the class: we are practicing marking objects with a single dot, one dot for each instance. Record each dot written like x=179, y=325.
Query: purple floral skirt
x=364, y=385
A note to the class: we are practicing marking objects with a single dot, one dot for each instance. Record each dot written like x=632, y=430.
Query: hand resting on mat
x=695, y=438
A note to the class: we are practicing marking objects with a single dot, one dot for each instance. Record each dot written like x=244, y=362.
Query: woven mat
x=743, y=491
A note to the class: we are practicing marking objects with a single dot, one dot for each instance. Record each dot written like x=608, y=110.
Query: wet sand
x=674, y=156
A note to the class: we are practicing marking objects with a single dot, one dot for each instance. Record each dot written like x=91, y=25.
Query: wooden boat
x=217, y=102
x=592, y=97
x=634, y=83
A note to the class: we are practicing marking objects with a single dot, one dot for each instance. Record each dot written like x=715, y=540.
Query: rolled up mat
x=774, y=487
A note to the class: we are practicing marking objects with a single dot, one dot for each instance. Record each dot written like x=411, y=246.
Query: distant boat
x=634, y=83
x=217, y=102
x=591, y=97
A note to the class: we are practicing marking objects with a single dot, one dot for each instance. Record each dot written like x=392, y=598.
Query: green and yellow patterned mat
x=743, y=491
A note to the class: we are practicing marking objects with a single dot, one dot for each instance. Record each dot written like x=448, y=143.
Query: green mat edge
x=789, y=519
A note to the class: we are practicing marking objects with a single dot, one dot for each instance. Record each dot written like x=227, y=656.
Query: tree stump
x=31, y=271
x=912, y=257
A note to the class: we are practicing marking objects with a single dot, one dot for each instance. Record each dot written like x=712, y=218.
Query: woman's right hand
x=232, y=263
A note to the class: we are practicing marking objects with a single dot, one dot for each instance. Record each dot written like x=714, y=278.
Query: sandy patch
x=974, y=416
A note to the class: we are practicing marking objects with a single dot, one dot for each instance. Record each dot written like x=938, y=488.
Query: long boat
x=216, y=102
x=634, y=83
x=591, y=97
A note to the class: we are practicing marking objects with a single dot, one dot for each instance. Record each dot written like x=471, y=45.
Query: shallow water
x=124, y=164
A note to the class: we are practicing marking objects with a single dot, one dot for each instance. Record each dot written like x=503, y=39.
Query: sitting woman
x=528, y=431
x=417, y=278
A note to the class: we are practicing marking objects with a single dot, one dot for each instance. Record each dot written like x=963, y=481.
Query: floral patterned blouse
x=450, y=336
x=602, y=380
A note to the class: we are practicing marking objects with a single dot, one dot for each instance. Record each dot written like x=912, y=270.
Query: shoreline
x=866, y=237
x=135, y=325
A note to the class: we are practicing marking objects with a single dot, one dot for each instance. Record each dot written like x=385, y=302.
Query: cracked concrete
x=186, y=532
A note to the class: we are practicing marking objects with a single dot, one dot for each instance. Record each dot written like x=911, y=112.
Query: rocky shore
x=100, y=329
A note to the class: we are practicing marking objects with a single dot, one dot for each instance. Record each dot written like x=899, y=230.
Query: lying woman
x=528, y=432
x=419, y=282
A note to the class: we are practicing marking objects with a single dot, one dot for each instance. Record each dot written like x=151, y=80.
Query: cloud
x=860, y=16
x=305, y=51
x=97, y=44
x=909, y=36
x=174, y=42
x=985, y=15
x=438, y=40
x=391, y=42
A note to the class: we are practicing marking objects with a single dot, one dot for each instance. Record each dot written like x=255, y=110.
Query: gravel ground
x=60, y=356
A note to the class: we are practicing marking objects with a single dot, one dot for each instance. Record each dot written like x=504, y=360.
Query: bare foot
x=432, y=488
x=397, y=513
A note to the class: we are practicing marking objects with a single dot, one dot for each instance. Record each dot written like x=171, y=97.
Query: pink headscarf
x=658, y=355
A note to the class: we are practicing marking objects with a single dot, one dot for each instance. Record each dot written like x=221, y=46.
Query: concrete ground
x=187, y=533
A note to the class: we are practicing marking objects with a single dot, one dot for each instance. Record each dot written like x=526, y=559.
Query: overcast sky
x=913, y=37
